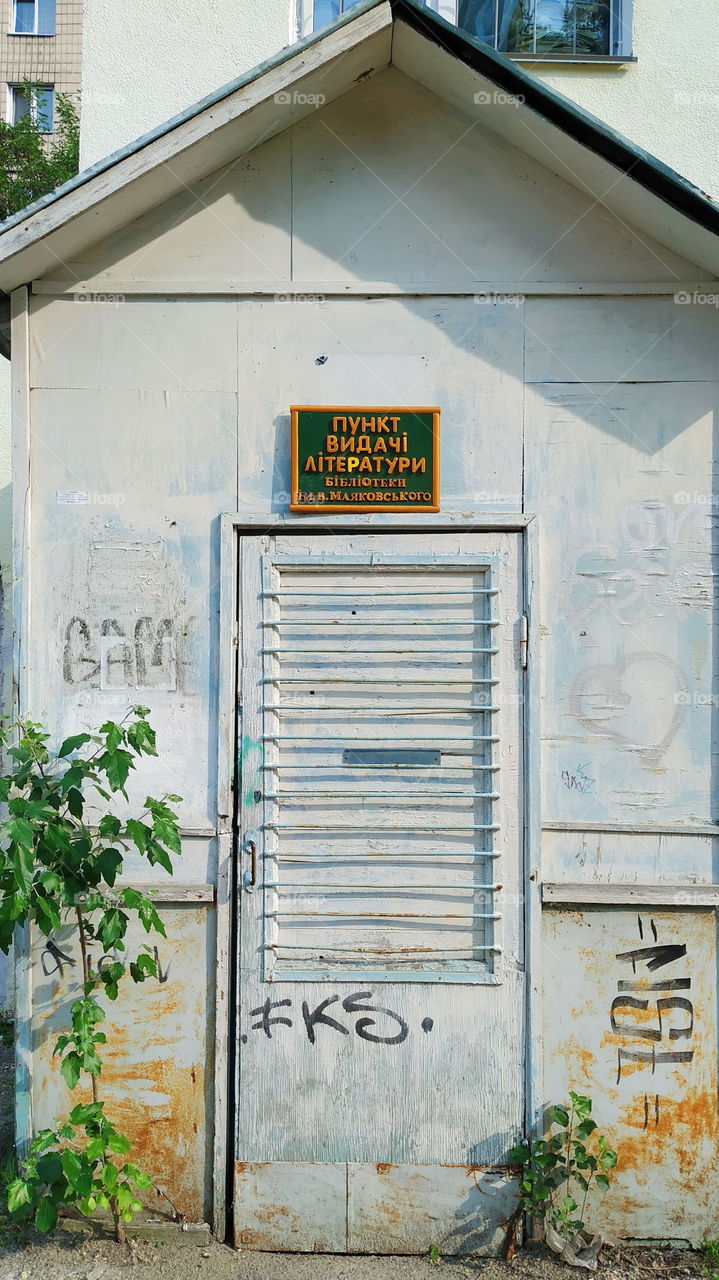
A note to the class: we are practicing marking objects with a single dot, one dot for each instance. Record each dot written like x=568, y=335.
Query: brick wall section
x=54, y=60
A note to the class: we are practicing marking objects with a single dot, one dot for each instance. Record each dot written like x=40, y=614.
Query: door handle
x=250, y=877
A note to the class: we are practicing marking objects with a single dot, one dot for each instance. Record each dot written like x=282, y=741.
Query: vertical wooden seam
x=20, y=418
x=532, y=834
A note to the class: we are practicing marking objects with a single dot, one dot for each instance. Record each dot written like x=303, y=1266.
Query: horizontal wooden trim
x=627, y=895
x=636, y=828
x=326, y=289
x=174, y=891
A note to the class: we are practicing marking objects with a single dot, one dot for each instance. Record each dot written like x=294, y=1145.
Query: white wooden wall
x=160, y=389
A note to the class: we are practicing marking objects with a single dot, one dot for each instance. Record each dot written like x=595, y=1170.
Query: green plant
x=710, y=1250
x=62, y=1168
x=31, y=161
x=60, y=857
x=555, y=1166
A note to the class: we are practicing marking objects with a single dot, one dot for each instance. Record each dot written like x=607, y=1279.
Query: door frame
x=231, y=528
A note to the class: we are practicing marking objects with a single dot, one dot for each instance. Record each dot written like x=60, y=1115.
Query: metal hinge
x=523, y=641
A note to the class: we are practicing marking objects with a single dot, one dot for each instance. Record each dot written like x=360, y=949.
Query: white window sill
x=573, y=59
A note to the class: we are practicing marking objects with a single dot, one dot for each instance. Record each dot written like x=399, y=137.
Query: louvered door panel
x=383, y=802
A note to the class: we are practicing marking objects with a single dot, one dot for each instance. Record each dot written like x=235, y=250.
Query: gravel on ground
x=63, y=1256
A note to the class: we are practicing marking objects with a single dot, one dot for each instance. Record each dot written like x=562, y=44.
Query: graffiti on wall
x=140, y=654
x=656, y=1023
x=53, y=959
x=367, y=1028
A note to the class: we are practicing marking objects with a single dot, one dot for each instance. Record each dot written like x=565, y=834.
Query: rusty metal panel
x=411, y=1208
x=158, y=1062
x=291, y=1207
x=630, y=1018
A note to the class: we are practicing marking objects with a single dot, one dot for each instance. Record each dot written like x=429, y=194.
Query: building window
x=564, y=29
x=33, y=18
x=42, y=105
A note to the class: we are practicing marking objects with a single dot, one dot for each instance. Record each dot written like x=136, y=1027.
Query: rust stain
x=383, y=1168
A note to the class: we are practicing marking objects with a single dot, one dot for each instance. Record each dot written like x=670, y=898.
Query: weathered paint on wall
x=597, y=416
x=630, y=1019
x=158, y=1064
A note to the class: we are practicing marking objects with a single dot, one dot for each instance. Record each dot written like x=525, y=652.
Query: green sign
x=349, y=457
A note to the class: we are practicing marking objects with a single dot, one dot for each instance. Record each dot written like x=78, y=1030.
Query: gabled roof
x=371, y=36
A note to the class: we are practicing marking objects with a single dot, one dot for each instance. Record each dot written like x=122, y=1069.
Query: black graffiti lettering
x=155, y=654
x=651, y=1056
x=351, y=1005
x=78, y=664
x=677, y=1002
x=116, y=658
x=59, y=959
x=655, y=957
x=162, y=974
x=318, y=1015
x=266, y=1021
x=632, y=1028
x=669, y=984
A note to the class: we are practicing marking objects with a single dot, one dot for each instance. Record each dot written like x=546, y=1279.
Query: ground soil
x=65, y=1257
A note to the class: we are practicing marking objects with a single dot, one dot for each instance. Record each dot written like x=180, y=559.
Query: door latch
x=249, y=878
x=523, y=641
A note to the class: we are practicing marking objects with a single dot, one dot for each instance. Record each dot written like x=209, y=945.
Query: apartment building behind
x=40, y=41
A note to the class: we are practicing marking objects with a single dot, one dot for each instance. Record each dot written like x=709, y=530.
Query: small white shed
x=448, y=818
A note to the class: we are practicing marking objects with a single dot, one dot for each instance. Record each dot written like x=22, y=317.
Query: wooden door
x=381, y=983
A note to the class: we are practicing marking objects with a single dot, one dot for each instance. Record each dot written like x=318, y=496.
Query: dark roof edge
x=595, y=134
x=210, y=100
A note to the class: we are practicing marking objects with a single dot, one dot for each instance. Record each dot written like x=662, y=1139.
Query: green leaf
x=71, y=1166
x=18, y=1194
x=95, y=1149
x=73, y=744
x=142, y=1180
x=71, y=1067
x=584, y=1129
x=518, y=1155
x=109, y=1177
x=141, y=736
x=110, y=826
x=75, y=802
x=112, y=733
x=45, y=1215
x=118, y=1143
x=109, y=863
x=24, y=867
x=560, y=1116
x=165, y=831
x=602, y=1181
x=139, y=833
x=117, y=766
x=21, y=832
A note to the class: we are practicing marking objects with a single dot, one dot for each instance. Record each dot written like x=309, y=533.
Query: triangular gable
x=586, y=153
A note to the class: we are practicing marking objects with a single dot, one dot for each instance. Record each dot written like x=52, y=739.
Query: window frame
x=35, y=33
x=14, y=89
x=620, y=38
